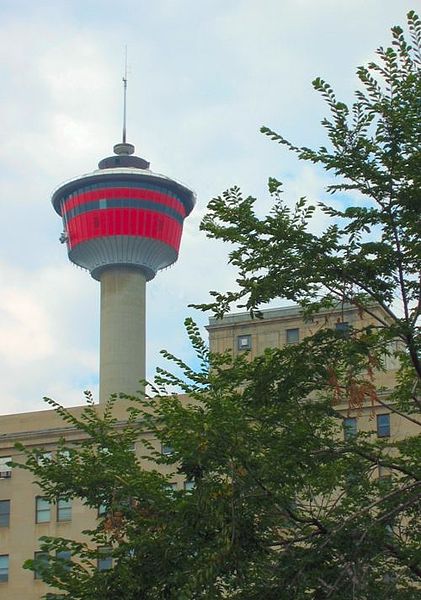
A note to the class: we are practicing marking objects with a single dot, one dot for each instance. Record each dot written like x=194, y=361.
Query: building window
x=42, y=558
x=44, y=459
x=105, y=560
x=342, y=327
x=5, y=469
x=63, y=455
x=189, y=485
x=4, y=513
x=166, y=449
x=65, y=557
x=244, y=342
x=4, y=567
x=350, y=427
x=64, y=510
x=102, y=509
x=42, y=510
x=383, y=425
x=389, y=577
x=171, y=486
x=385, y=473
x=293, y=336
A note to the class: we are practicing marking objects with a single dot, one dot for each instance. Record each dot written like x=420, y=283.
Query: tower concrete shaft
x=122, y=333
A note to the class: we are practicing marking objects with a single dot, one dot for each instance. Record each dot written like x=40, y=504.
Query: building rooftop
x=271, y=314
x=268, y=313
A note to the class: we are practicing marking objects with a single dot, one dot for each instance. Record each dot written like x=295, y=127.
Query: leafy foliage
x=370, y=251
x=282, y=505
x=280, y=508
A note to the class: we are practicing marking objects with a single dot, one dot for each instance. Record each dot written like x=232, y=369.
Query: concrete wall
x=123, y=330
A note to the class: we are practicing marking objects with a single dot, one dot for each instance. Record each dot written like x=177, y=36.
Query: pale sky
x=204, y=76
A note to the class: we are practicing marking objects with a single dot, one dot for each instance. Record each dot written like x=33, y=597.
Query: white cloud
x=24, y=326
x=204, y=76
x=48, y=330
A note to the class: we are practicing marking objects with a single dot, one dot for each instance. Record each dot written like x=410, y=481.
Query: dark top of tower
x=125, y=169
x=123, y=157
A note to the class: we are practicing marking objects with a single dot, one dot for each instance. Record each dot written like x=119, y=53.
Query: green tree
x=282, y=507
x=370, y=251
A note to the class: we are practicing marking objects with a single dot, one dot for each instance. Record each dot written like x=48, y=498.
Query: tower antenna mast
x=124, y=95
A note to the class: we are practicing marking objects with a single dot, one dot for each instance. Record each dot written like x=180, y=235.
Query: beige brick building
x=282, y=326
x=24, y=516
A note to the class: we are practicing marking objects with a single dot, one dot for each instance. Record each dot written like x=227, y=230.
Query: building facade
x=25, y=517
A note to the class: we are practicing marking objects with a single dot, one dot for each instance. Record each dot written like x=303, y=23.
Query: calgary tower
x=122, y=223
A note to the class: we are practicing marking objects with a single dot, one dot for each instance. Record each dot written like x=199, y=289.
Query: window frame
x=350, y=432
x=4, y=570
x=383, y=429
x=189, y=485
x=5, y=513
x=38, y=510
x=171, y=486
x=67, y=559
x=44, y=458
x=288, y=331
x=247, y=345
x=5, y=470
x=343, y=328
x=63, y=455
x=66, y=509
x=37, y=556
x=108, y=559
x=167, y=449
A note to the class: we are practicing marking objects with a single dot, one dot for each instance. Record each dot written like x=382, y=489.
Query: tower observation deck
x=122, y=223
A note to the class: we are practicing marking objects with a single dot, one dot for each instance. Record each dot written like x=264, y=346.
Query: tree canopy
x=281, y=505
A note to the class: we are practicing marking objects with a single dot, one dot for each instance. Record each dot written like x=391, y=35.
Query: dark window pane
x=166, y=449
x=244, y=342
x=43, y=558
x=293, y=336
x=383, y=425
x=4, y=567
x=42, y=510
x=171, y=486
x=5, y=468
x=66, y=557
x=342, y=327
x=4, y=513
x=64, y=510
x=105, y=561
x=350, y=427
